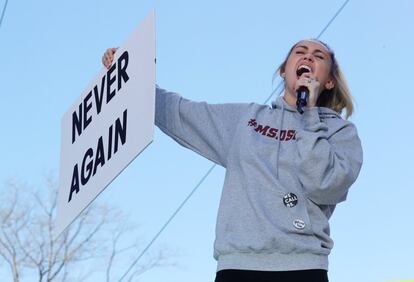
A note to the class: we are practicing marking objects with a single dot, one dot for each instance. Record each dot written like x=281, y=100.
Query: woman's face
x=314, y=57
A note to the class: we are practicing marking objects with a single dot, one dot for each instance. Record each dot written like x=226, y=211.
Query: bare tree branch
x=99, y=236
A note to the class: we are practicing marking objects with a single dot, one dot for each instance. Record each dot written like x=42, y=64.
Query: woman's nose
x=308, y=57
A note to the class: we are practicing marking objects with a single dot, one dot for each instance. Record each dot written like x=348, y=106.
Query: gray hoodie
x=285, y=173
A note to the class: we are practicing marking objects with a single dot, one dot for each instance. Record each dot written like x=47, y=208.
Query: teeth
x=305, y=67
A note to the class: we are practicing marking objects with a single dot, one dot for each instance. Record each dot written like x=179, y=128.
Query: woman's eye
x=320, y=57
x=300, y=52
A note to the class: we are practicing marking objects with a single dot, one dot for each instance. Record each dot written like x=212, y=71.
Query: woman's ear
x=283, y=75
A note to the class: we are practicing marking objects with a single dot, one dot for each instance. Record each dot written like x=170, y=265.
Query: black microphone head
x=302, y=92
x=302, y=95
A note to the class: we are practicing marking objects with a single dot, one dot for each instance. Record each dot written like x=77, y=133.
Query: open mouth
x=302, y=69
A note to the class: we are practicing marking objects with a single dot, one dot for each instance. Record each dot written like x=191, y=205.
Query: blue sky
x=220, y=51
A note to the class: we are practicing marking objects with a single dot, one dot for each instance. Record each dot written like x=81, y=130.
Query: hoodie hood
x=324, y=112
x=280, y=103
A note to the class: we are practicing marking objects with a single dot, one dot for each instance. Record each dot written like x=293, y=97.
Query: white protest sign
x=108, y=125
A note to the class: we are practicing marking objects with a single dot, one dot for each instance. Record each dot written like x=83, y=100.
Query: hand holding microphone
x=307, y=89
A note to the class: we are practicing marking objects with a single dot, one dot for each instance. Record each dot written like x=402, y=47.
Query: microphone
x=302, y=93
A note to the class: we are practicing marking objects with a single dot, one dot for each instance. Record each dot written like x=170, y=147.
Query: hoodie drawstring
x=278, y=143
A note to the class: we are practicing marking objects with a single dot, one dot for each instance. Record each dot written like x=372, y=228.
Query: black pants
x=313, y=275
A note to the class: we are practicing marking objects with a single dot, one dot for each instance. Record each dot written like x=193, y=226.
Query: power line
x=4, y=12
x=319, y=36
x=169, y=220
x=214, y=165
x=332, y=19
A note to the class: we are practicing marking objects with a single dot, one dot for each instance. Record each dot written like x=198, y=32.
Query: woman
x=285, y=171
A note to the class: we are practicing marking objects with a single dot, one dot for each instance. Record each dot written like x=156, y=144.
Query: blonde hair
x=337, y=98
